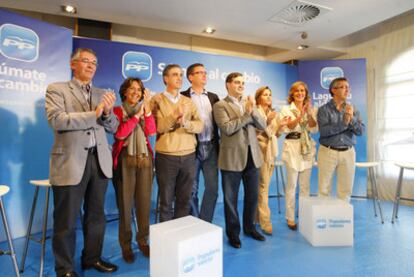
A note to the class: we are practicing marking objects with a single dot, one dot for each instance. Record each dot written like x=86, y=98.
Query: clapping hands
x=106, y=104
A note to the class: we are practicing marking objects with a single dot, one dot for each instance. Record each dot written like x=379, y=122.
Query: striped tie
x=89, y=93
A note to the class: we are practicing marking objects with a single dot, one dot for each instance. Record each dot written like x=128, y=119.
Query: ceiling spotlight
x=303, y=46
x=68, y=9
x=209, y=30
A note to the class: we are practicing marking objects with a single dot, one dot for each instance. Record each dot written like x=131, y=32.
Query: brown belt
x=293, y=135
x=341, y=148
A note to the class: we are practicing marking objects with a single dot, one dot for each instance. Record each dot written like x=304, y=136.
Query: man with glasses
x=178, y=123
x=338, y=123
x=207, y=143
x=80, y=163
x=240, y=157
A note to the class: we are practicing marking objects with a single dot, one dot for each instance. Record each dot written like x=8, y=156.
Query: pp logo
x=321, y=223
x=137, y=65
x=328, y=74
x=19, y=43
x=188, y=264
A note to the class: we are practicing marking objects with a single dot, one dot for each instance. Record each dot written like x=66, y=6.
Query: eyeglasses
x=86, y=61
x=342, y=87
x=199, y=72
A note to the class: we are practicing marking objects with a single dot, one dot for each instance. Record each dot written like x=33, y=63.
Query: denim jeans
x=206, y=161
x=231, y=185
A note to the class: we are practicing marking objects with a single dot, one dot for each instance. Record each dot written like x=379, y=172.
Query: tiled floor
x=379, y=250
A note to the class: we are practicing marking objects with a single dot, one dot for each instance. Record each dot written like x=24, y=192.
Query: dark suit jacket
x=213, y=99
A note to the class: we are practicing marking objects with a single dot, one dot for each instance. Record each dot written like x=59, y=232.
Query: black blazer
x=213, y=99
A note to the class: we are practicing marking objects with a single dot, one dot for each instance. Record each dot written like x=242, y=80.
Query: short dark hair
x=334, y=82
x=126, y=84
x=190, y=69
x=167, y=69
x=78, y=51
x=232, y=76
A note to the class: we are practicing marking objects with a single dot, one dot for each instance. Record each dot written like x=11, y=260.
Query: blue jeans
x=206, y=161
x=231, y=185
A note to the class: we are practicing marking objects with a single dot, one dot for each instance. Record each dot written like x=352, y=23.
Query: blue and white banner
x=32, y=55
x=118, y=61
x=318, y=75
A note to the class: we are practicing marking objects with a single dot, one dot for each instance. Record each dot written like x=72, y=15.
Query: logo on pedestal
x=321, y=223
x=189, y=264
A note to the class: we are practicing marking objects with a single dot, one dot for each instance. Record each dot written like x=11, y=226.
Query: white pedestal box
x=326, y=221
x=187, y=247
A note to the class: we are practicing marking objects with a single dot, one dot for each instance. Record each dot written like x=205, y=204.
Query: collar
x=193, y=92
x=332, y=103
x=293, y=106
x=235, y=100
x=80, y=84
x=170, y=96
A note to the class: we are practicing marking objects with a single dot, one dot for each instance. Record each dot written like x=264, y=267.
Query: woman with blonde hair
x=298, y=148
x=268, y=144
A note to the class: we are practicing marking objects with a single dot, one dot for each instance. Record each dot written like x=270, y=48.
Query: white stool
x=372, y=178
x=3, y=191
x=39, y=184
x=402, y=165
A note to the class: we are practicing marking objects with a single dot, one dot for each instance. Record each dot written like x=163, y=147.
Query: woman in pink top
x=133, y=164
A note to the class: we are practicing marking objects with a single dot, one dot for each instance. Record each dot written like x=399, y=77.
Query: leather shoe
x=256, y=235
x=144, y=248
x=70, y=274
x=101, y=266
x=235, y=242
x=292, y=225
x=267, y=229
x=128, y=255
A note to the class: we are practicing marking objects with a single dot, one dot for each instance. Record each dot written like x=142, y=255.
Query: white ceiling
x=237, y=20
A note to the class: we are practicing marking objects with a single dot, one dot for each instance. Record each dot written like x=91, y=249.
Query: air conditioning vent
x=298, y=13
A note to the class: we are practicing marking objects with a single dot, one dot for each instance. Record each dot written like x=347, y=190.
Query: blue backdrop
x=32, y=55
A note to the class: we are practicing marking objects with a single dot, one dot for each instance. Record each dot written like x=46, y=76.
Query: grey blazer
x=73, y=122
x=237, y=132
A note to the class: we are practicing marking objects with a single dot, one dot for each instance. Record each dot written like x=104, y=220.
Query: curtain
x=389, y=50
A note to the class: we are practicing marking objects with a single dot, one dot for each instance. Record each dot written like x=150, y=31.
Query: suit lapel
x=77, y=93
x=233, y=106
x=95, y=98
x=211, y=98
x=186, y=92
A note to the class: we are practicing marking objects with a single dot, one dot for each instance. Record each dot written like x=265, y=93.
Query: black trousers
x=67, y=201
x=175, y=177
x=231, y=185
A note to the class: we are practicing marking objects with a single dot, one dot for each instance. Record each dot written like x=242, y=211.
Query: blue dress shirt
x=333, y=131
